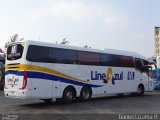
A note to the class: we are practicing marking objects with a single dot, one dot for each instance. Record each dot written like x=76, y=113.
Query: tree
x=64, y=41
x=86, y=46
x=13, y=38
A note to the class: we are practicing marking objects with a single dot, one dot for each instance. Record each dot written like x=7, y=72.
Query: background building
x=157, y=41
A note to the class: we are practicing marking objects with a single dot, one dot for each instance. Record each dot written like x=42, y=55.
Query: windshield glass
x=14, y=52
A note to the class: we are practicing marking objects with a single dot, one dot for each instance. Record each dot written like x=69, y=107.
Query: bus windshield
x=14, y=51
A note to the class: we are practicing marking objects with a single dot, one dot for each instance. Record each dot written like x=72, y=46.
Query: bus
x=156, y=79
x=64, y=73
x=2, y=63
x=156, y=76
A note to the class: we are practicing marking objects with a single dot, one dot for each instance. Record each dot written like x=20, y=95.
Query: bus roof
x=109, y=51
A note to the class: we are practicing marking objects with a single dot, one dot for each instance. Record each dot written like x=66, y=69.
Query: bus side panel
x=122, y=84
x=42, y=88
x=57, y=85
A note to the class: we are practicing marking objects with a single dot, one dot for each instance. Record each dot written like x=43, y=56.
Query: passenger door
x=143, y=66
x=142, y=74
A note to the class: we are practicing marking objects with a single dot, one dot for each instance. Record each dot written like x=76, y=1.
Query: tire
x=140, y=90
x=85, y=94
x=68, y=95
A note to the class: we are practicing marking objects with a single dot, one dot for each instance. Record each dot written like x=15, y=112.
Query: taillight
x=24, y=80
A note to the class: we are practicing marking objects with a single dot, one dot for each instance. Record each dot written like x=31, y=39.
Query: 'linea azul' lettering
x=97, y=76
x=117, y=77
x=130, y=75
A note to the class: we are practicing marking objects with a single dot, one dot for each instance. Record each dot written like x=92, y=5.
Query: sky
x=115, y=24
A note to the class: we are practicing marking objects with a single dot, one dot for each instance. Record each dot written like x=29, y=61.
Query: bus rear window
x=14, y=52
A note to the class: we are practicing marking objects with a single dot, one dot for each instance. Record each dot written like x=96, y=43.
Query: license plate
x=11, y=93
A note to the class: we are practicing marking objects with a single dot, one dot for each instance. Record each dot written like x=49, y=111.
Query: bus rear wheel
x=85, y=94
x=68, y=95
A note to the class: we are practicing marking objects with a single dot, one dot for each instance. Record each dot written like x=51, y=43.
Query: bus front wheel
x=140, y=90
x=85, y=94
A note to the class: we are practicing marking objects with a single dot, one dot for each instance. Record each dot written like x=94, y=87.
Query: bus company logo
x=14, y=49
x=106, y=77
x=12, y=80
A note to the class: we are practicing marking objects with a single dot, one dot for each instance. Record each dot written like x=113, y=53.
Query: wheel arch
x=140, y=89
x=141, y=85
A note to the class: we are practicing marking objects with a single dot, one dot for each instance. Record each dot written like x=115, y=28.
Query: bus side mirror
x=146, y=67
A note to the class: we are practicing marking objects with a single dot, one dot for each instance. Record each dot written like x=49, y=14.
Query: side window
x=88, y=58
x=147, y=68
x=110, y=60
x=138, y=64
x=126, y=61
x=37, y=53
x=145, y=63
x=66, y=56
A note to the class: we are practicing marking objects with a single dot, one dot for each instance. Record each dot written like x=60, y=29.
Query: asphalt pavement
x=127, y=104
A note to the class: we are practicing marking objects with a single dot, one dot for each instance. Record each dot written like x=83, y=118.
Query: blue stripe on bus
x=40, y=75
x=14, y=72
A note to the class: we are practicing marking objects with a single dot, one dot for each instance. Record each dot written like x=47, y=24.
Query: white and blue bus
x=156, y=77
x=54, y=71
